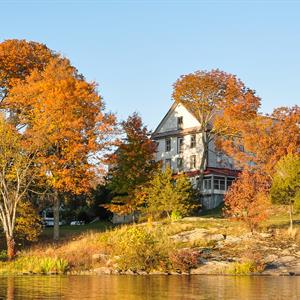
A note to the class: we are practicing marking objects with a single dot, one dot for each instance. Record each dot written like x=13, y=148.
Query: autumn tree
x=165, y=195
x=28, y=222
x=247, y=199
x=131, y=166
x=285, y=188
x=65, y=113
x=211, y=96
x=17, y=158
x=18, y=58
x=262, y=140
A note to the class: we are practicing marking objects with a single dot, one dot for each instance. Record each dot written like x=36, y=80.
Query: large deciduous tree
x=131, y=165
x=18, y=58
x=261, y=141
x=212, y=97
x=65, y=113
x=17, y=158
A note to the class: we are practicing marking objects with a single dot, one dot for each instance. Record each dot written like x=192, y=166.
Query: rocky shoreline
x=277, y=257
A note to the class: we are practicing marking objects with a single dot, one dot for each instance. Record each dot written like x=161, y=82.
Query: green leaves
x=286, y=182
x=168, y=195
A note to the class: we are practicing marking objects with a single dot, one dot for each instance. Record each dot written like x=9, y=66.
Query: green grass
x=213, y=213
x=281, y=220
x=68, y=231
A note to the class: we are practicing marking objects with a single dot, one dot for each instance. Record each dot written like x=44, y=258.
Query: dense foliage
x=285, y=188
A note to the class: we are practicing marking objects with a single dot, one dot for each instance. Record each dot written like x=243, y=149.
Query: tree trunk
x=11, y=251
x=56, y=206
x=291, y=216
x=204, y=157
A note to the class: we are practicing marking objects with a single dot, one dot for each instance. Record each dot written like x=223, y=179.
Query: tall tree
x=18, y=58
x=131, y=165
x=262, y=140
x=65, y=113
x=211, y=96
x=285, y=188
x=16, y=176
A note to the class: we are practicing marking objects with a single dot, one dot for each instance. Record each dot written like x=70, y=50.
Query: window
x=193, y=162
x=168, y=163
x=241, y=148
x=207, y=183
x=179, y=163
x=219, y=183
x=229, y=182
x=168, y=144
x=193, y=140
x=179, y=145
x=179, y=122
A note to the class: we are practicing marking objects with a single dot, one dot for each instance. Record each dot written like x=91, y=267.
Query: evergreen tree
x=169, y=196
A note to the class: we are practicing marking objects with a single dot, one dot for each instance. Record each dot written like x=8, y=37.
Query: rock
x=211, y=267
x=286, y=252
x=100, y=256
x=232, y=239
x=266, y=235
x=190, y=236
x=103, y=271
x=142, y=273
x=286, y=259
x=271, y=258
x=158, y=273
x=217, y=237
x=129, y=272
x=174, y=273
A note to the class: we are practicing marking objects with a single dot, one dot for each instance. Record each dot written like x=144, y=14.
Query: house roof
x=171, y=109
x=215, y=171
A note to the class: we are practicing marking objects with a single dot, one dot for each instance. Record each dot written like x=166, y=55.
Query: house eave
x=177, y=132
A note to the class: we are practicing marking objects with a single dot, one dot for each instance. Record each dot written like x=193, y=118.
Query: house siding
x=168, y=128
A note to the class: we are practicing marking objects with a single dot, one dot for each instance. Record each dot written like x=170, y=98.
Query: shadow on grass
x=213, y=213
x=70, y=232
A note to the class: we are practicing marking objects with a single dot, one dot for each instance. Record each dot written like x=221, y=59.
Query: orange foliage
x=219, y=101
x=65, y=114
x=261, y=141
x=247, y=199
x=18, y=58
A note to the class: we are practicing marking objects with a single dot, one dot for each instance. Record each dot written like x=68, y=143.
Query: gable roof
x=157, y=133
x=171, y=109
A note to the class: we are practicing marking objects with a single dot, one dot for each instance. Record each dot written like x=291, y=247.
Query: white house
x=180, y=147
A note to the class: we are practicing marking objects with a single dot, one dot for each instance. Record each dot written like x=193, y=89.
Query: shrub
x=184, y=259
x=246, y=200
x=3, y=255
x=139, y=248
x=37, y=265
x=241, y=268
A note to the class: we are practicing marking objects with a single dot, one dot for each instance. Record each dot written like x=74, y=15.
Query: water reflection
x=149, y=287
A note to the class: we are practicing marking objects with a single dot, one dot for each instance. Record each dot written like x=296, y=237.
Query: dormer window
x=179, y=122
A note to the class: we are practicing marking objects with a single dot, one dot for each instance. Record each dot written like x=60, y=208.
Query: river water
x=149, y=287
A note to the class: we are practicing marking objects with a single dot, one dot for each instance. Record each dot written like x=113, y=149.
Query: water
x=149, y=287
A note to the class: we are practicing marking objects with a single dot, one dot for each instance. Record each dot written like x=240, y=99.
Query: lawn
x=68, y=231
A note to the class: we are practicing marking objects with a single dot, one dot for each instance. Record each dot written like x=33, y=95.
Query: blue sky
x=136, y=50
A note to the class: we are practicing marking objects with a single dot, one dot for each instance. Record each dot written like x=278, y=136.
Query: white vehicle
x=48, y=219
